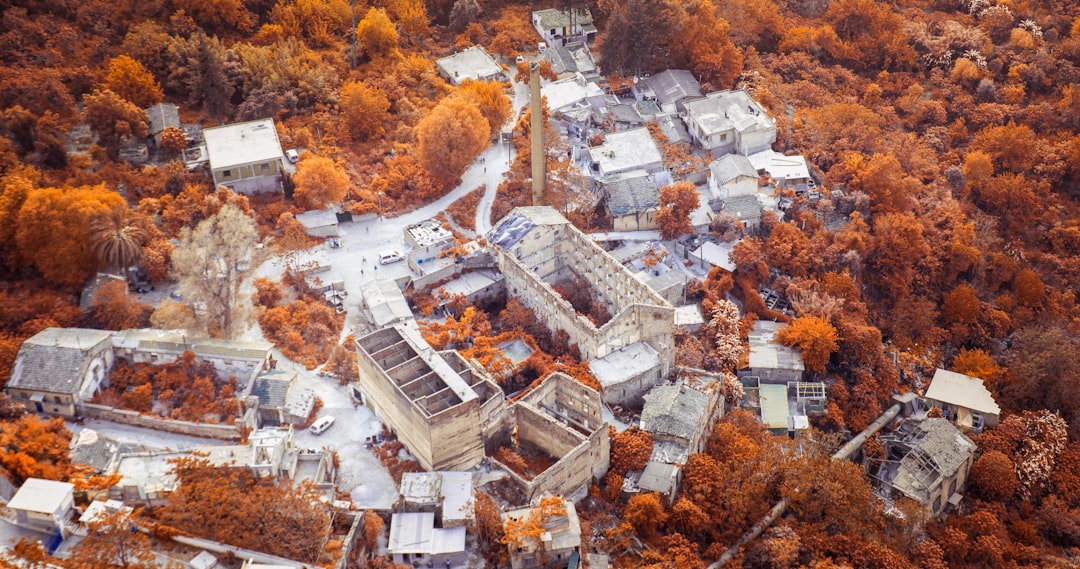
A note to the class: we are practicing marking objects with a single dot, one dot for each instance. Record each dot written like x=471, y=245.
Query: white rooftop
x=564, y=93
x=471, y=282
x=473, y=63
x=728, y=110
x=627, y=150
x=317, y=218
x=41, y=496
x=385, y=303
x=963, y=391
x=715, y=254
x=428, y=232
x=414, y=532
x=767, y=353
x=242, y=143
x=779, y=166
x=689, y=315
x=625, y=363
x=457, y=492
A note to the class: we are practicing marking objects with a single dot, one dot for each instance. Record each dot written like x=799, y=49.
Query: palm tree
x=115, y=240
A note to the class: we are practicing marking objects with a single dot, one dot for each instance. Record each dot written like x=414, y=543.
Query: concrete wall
x=635, y=221
x=54, y=404
x=226, y=432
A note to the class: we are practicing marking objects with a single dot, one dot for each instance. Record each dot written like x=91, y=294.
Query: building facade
x=245, y=157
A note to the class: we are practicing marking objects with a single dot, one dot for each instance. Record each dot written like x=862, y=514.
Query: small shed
x=320, y=223
x=43, y=504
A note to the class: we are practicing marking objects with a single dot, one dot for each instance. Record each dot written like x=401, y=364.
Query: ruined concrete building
x=538, y=248
x=558, y=422
x=435, y=402
x=926, y=460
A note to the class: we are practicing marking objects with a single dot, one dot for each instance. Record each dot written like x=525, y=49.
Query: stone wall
x=220, y=431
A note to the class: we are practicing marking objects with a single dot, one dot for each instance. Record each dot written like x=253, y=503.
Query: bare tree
x=210, y=264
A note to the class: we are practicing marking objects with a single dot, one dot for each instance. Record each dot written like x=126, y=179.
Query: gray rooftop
x=674, y=130
x=728, y=110
x=519, y=222
x=731, y=166
x=574, y=58
x=98, y=451
x=767, y=353
x=179, y=341
x=472, y=63
x=673, y=85
x=746, y=207
x=673, y=410
x=52, y=360
x=632, y=192
x=163, y=115
x=554, y=18
x=625, y=363
x=385, y=303
x=627, y=150
x=272, y=387
x=242, y=143
x=317, y=218
x=938, y=450
x=658, y=477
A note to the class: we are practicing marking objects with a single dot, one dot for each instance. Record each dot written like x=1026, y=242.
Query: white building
x=963, y=398
x=473, y=63
x=626, y=151
x=785, y=171
x=43, y=504
x=560, y=27
x=415, y=540
x=730, y=121
x=573, y=93
x=245, y=157
x=732, y=175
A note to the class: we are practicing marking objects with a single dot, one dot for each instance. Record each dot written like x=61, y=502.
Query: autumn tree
x=677, y=202
x=815, y=337
x=726, y=338
x=319, y=182
x=210, y=264
x=113, y=119
x=173, y=140
x=114, y=308
x=376, y=34
x=364, y=110
x=112, y=540
x=53, y=230
x=490, y=98
x=646, y=513
x=230, y=505
x=449, y=138
x=35, y=448
x=132, y=82
x=993, y=476
x=703, y=46
x=630, y=450
x=637, y=37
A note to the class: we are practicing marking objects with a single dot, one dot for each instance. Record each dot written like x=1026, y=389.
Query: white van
x=387, y=257
x=321, y=425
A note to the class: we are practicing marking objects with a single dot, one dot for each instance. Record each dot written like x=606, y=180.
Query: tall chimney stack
x=536, y=126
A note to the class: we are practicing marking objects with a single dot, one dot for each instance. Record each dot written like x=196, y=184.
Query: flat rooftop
x=179, y=341
x=728, y=110
x=472, y=63
x=41, y=496
x=767, y=353
x=242, y=143
x=624, y=363
x=429, y=232
x=627, y=150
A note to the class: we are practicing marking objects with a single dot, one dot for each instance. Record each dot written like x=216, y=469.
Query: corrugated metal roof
x=774, y=406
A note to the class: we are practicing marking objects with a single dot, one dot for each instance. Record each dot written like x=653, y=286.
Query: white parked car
x=292, y=155
x=387, y=257
x=318, y=427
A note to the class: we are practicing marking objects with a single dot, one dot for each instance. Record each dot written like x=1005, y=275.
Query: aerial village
x=593, y=311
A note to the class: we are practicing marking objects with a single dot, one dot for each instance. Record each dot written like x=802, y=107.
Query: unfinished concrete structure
x=926, y=460
x=771, y=361
x=538, y=248
x=558, y=546
x=560, y=418
x=435, y=402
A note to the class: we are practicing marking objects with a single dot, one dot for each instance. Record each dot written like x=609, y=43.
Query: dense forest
x=949, y=125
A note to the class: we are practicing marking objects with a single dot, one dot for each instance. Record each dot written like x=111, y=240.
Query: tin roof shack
x=562, y=27
x=964, y=399
x=162, y=116
x=926, y=460
x=476, y=287
x=537, y=249
x=732, y=175
x=559, y=425
x=320, y=223
x=446, y=494
x=59, y=367
x=245, y=157
x=730, y=121
x=669, y=88
x=473, y=64
x=415, y=540
x=627, y=373
x=383, y=305
x=437, y=410
x=281, y=400
x=632, y=199
x=44, y=505
x=771, y=361
x=559, y=542
x=679, y=417
x=627, y=151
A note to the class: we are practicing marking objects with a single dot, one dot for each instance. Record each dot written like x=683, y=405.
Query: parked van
x=387, y=257
x=321, y=425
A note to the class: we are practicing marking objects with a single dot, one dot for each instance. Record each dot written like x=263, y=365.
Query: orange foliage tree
x=630, y=450
x=35, y=448
x=815, y=337
x=376, y=34
x=132, y=82
x=677, y=201
x=114, y=119
x=305, y=330
x=114, y=308
x=186, y=390
x=449, y=138
x=231, y=506
x=646, y=513
x=53, y=230
x=319, y=182
x=490, y=98
x=364, y=110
